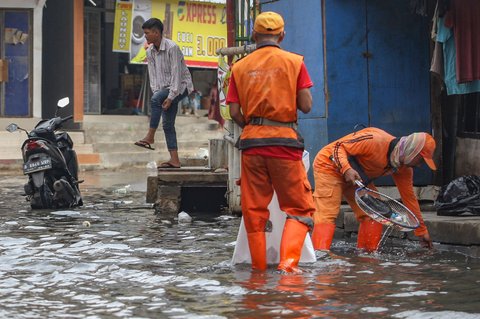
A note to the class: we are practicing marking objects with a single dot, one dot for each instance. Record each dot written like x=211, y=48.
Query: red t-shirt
x=303, y=82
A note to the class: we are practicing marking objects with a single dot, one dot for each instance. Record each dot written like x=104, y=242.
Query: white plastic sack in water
x=241, y=254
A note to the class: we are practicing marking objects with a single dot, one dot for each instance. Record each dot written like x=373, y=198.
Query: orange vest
x=266, y=82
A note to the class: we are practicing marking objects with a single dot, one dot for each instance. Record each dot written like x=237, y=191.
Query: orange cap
x=427, y=151
x=268, y=23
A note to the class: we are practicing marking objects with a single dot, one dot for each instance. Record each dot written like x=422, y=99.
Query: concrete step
x=158, y=146
x=10, y=152
x=112, y=160
x=12, y=148
x=105, y=121
x=14, y=139
x=106, y=141
x=89, y=159
x=84, y=148
x=196, y=129
x=200, y=135
x=17, y=138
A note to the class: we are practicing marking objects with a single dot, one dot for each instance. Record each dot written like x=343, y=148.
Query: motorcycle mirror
x=63, y=102
x=12, y=127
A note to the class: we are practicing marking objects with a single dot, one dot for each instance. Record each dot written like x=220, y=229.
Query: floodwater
x=113, y=258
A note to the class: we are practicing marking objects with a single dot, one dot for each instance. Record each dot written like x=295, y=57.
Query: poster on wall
x=199, y=29
x=122, y=26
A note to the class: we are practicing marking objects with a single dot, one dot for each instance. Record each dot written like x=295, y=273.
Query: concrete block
x=458, y=232
x=192, y=177
x=168, y=200
x=152, y=189
x=218, y=154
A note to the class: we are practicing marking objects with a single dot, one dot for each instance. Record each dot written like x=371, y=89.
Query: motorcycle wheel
x=45, y=196
x=42, y=197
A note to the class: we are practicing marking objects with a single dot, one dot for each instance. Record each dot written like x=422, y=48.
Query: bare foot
x=148, y=140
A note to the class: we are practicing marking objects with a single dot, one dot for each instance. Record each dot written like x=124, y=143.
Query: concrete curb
x=458, y=230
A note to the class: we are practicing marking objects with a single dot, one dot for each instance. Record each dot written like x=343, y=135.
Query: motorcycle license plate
x=38, y=164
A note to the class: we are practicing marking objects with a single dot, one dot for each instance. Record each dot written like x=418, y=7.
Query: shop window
x=469, y=120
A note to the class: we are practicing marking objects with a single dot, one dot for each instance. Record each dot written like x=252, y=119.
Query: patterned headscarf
x=406, y=149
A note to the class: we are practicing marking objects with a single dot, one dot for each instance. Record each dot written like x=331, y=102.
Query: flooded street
x=113, y=258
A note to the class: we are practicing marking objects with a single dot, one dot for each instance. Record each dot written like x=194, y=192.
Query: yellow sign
x=122, y=26
x=199, y=29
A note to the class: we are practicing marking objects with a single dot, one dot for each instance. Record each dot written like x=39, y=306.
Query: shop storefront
x=115, y=76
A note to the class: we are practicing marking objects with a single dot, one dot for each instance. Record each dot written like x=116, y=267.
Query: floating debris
x=184, y=218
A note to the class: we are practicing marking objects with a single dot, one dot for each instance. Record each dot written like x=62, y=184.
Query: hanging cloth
x=446, y=37
x=463, y=18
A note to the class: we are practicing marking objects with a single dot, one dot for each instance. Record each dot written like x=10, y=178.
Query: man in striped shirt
x=170, y=81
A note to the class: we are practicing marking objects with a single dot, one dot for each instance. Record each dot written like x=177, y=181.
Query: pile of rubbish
x=462, y=195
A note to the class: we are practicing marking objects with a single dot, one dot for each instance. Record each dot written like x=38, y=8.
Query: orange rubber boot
x=291, y=246
x=258, y=250
x=322, y=236
x=369, y=235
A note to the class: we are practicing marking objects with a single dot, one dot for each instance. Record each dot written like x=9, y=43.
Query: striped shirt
x=167, y=69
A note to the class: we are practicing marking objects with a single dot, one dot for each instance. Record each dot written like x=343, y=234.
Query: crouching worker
x=266, y=89
x=377, y=153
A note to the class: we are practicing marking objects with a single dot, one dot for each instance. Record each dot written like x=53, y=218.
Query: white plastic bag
x=241, y=254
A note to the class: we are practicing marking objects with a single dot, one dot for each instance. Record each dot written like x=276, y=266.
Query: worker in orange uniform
x=266, y=89
x=376, y=153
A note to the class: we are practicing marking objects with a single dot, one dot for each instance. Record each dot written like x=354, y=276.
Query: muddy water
x=113, y=258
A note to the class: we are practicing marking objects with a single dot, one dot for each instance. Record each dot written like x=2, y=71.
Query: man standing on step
x=170, y=81
x=266, y=89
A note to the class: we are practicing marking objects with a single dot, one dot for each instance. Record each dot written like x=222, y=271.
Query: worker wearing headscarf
x=377, y=153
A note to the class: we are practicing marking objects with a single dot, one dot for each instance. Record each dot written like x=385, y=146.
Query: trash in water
x=122, y=191
x=399, y=218
x=202, y=152
x=377, y=205
x=86, y=223
x=118, y=203
x=184, y=218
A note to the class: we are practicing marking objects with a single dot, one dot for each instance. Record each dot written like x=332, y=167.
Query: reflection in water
x=127, y=262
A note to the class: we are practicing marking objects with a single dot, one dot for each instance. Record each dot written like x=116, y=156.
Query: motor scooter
x=50, y=163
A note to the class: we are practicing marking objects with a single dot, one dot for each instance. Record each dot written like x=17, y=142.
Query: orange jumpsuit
x=370, y=147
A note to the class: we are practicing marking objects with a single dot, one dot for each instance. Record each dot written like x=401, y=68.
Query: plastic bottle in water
x=123, y=190
x=152, y=169
x=396, y=217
